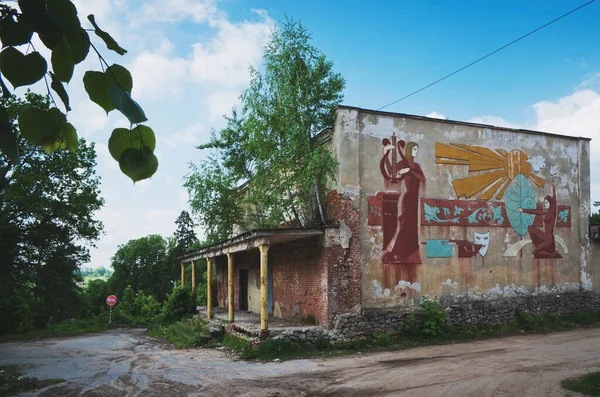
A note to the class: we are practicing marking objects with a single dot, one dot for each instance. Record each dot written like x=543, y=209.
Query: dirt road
x=127, y=363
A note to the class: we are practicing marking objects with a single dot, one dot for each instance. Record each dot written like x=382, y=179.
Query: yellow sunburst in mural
x=495, y=169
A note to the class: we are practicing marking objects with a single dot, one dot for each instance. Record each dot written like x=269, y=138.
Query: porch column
x=209, y=288
x=194, y=277
x=194, y=282
x=230, y=286
x=182, y=274
x=264, y=294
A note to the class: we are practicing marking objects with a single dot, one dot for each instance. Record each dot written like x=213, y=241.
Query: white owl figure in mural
x=537, y=163
x=482, y=239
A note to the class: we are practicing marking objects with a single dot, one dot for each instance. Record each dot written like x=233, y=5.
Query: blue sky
x=189, y=60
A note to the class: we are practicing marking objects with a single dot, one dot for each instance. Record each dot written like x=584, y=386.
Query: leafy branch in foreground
x=57, y=25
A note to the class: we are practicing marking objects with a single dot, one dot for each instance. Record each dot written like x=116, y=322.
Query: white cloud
x=220, y=103
x=225, y=59
x=188, y=137
x=435, y=115
x=576, y=115
x=591, y=82
x=495, y=121
x=179, y=10
x=158, y=75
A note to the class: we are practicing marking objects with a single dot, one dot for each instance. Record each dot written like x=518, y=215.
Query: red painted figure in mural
x=404, y=246
x=543, y=240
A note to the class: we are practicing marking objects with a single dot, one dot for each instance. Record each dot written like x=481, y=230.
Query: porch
x=245, y=288
x=248, y=322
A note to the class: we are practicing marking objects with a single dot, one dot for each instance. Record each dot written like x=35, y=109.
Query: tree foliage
x=142, y=264
x=270, y=142
x=47, y=207
x=57, y=25
x=185, y=234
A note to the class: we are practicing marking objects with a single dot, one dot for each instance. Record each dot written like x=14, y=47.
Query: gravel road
x=128, y=363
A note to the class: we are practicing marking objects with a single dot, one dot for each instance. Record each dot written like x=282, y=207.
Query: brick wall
x=300, y=279
x=344, y=272
x=309, y=278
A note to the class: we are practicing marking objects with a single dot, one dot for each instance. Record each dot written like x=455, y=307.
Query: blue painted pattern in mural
x=439, y=249
x=431, y=214
x=491, y=215
x=562, y=216
x=520, y=194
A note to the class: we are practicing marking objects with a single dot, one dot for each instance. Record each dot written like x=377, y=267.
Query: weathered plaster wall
x=455, y=232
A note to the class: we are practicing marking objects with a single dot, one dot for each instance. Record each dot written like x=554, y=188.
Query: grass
x=64, y=328
x=587, y=384
x=13, y=382
x=183, y=334
x=407, y=338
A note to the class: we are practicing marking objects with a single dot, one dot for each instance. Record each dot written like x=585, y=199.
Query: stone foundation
x=349, y=326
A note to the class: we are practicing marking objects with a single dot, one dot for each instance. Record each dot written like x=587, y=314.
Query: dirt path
x=127, y=363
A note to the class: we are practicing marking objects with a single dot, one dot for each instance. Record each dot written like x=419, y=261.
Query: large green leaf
x=58, y=87
x=69, y=134
x=138, y=164
x=14, y=33
x=118, y=75
x=8, y=138
x=62, y=61
x=64, y=14
x=40, y=127
x=122, y=139
x=36, y=15
x=97, y=88
x=123, y=102
x=79, y=41
x=22, y=69
x=111, y=44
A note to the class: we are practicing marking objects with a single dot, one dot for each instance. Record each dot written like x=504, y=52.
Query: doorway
x=243, y=289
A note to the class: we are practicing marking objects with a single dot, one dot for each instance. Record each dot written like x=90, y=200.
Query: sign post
x=111, y=300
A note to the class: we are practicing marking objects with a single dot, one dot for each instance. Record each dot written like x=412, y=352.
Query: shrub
x=192, y=332
x=179, y=304
x=434, y=319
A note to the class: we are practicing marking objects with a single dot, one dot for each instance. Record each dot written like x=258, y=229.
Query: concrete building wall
x=447, y=223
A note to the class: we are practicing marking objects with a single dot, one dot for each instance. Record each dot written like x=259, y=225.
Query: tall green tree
x=47, y=207
x=269, y=143
x=185, y=234
x=142, y=264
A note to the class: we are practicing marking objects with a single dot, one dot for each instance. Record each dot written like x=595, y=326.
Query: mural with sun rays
x=492, y=170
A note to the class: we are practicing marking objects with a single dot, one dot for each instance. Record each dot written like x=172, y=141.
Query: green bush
x=322, y=343
x=434, y=319
x=587, y=384
x=273, y=348
x=430, y=322
x=184, y=334
x=240, y=346
x=179, y=304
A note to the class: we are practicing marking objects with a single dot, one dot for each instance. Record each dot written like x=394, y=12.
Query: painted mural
x=500, y=191
x=501, y=174
x=400, y=228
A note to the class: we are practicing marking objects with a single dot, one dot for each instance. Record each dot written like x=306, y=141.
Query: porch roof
x=250, y=240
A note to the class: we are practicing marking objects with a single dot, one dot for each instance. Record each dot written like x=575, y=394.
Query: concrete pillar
x=182, y=274
x=209, y=313
x=264, y=294
x=230, y=286
x=194, y=277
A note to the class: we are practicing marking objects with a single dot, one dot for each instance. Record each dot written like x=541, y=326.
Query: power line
x=487, y=55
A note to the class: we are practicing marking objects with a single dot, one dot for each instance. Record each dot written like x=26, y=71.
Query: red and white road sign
x=111, y=300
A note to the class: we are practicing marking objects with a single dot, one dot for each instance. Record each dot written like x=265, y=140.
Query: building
x=421, y=207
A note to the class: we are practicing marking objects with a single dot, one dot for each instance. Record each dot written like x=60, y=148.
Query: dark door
x=243, y=289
